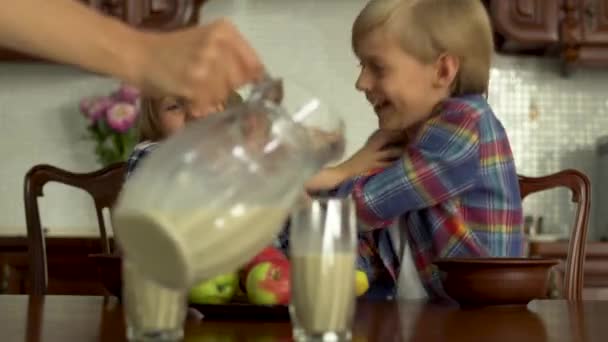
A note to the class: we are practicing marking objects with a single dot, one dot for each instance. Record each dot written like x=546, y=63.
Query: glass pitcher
x=208, y=199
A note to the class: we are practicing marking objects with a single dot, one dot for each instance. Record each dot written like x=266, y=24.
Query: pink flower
x=95, y=108
x=85, y=105
x=121, y=116
x=126, y=93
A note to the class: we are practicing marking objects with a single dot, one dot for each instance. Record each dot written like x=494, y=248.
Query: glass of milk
x=152, y=312
x=323, y=256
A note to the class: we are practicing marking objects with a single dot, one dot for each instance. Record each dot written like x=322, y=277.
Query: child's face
x=173, y=115
x=401, y=89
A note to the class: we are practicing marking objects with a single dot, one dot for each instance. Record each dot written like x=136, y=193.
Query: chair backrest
x=103, y=185
x=580, y=186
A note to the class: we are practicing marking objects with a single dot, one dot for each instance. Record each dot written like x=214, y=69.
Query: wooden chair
x=580, y=186
x=103, y=185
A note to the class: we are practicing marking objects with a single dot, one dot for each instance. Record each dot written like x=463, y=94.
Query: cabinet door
x=153, y=14
x=526, y=21
x=595, y=21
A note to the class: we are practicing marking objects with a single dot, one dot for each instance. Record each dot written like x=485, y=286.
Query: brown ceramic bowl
x=109, y=272
x=495, y=281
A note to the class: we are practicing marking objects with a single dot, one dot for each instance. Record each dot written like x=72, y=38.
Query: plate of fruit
x=259, y=290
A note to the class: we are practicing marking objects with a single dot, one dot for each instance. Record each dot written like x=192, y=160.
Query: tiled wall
x=553, y=122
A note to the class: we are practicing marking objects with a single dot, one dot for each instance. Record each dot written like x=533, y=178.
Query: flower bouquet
x=111, y=123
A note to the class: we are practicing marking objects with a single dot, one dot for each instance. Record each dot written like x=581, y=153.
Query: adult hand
x=201, y=64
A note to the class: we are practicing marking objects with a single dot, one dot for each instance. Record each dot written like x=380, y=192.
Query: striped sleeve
x=139, y=153
x=442, y=162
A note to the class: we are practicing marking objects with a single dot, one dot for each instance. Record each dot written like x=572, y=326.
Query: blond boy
x=453, y=186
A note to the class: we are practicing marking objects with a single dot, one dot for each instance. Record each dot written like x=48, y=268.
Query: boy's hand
x=381, y=150
x=327, y=179
x=327, y=145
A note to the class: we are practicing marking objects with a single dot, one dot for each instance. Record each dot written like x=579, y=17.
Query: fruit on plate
x=267, y=254
x=240, y=296
x=361, y=283
x=218, y=290
x=268, y=283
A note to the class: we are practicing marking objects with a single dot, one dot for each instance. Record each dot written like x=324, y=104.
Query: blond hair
x=149, y=126
x=426, y=29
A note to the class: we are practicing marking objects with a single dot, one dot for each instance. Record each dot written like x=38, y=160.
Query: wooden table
x=80, y=318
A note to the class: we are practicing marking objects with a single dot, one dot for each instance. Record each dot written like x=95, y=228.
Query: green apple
x=218, y=290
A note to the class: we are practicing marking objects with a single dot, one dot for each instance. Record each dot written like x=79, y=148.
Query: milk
x=323, y=291
x=181, y=248
x=150, y=307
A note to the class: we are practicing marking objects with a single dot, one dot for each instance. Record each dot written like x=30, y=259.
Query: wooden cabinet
x=150, y=14
x=526, y=23
x=596, y=265
x=593, y=47
x=574, y=30
x=160, y=15
x=594, y=21
x=70, y=271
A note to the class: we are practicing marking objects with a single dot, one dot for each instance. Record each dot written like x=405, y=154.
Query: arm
x=201, y=64
x=328, y=179
x=380, y=150
x=68, y=31
x=442, y=163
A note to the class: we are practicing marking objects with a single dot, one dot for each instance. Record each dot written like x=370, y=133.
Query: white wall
x=39, y=103
x=308, y=44
x=40, y=123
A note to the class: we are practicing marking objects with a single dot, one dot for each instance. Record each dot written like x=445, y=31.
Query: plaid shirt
x=455, y=191
x=140, y=151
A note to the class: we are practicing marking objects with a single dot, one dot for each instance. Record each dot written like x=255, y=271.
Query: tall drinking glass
x=153, y=313
x=323, y=256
